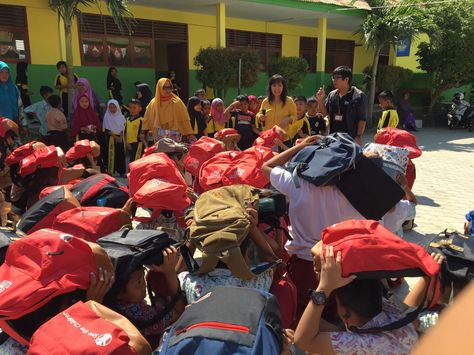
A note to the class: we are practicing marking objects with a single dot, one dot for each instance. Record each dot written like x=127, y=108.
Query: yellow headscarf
x=167, y=112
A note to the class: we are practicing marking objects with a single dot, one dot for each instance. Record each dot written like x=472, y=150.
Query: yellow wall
x=45, y=43
x=411, y=62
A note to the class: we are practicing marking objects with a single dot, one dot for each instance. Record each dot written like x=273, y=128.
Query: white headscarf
x=114, y=122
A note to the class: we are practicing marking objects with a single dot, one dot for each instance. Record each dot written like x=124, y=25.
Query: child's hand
x=99, y=285
x=170, y=259
x=252, y=215
x=129, y=146
x=288, y=340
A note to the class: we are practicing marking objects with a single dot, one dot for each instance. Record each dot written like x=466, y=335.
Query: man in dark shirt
x=346, y=106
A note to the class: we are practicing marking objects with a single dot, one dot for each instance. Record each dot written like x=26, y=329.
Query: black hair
x=386, y=95
x=363, y=297
x=136, y=83
x=205, y=102
x=199, y=92
x=45, y=90
x=312, y=99
x=21, y=76
x=300, y=98
x=277, y=78
x=260, y=97
x=61, y=62
x=242, y=98
x=344, y=71
x=135, y=101
x=54, y=101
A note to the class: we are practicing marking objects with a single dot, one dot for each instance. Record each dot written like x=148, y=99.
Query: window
x=13, y=34
x=266, y=44
x=103, y=44
x=339, y=52
x=308, y=51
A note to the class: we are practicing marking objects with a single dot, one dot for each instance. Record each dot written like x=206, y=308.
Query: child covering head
x=243, y=121
x=389, y=115
x=114, y=125
x=56, y=124
x=128, y=297
x=85, y=121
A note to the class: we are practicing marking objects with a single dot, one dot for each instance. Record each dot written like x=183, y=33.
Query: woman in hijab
x=11, y=105
x=85, y=121
x=114, y=86
x=145, y=95
x=198, y=123
x=166, y=115
x=22, y=83
x=114, y=125
x=217, y=114
x=84, y=87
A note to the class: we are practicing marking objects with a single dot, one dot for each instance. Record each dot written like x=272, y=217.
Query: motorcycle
x=461, y=113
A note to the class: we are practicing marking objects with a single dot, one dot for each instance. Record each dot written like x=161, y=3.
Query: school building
x=168, y=34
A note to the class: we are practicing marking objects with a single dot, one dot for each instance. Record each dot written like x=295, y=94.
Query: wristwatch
x=317, y=297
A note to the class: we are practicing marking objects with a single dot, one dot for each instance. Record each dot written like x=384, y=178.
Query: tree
x=448, y=55
x=293, y=69
x=219, y=67
x=389, y=77
x=388, y=23
x=67, y=11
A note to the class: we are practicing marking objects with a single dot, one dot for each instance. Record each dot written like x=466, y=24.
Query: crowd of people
x=164, y=145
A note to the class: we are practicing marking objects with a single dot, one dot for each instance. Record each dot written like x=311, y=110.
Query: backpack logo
x=104, y=339
x=4, y=285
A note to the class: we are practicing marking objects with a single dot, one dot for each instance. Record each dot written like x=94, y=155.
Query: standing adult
x=114, y=86
x=346, y=105
x=277, y=108
x=166, y=112
x=11, y=105
x=176, y=86
x=22, y=82
x=61, y=82
x=144, y=95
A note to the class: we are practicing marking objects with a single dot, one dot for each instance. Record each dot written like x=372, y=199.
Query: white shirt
x=314, y=208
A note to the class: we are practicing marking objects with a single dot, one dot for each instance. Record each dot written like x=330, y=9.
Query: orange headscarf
x=167, y=111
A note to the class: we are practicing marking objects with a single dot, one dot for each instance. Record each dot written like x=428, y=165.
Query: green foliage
x=389, y=77
x=68, y=9
x=293, y=69
x=219, y=67
x=448, y=55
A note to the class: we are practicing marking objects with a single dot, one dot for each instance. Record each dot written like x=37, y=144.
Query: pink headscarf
x=254, y=98
x=216, y=115
x=88, y=93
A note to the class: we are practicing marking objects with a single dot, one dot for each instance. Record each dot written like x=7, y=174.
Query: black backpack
x=458, y=249
x=7, y=236
x=101, y=190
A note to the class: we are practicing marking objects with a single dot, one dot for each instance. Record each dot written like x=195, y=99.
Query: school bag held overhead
x=218, y=324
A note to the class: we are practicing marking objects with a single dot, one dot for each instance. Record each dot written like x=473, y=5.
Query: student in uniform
x=316, y=120
x=134, y=136
x=114, y=86
x=389, y=115
x=301, y=127
x=244, y=121
x=61, y=83
x=114, y=126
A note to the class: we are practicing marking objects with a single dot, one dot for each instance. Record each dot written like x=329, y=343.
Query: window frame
x=23, y=30
x=312, y=53
x=336, y=51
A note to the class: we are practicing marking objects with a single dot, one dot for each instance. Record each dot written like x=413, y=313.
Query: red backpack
x=163, y=195
x=23, y=151
x=267, y=138
x=234, y=168
x=38, y=269
x=101, y=189
x=81, y=149
x=91, y=223
x=43, y=212
x=371, y=251
x=45, y=157
x=88, y=328
x=399, y=138
x=154, y=166
x=50, y=189
x=6, y=125
x=200, y=152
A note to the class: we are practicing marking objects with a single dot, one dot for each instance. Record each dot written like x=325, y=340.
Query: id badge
x=338, y=118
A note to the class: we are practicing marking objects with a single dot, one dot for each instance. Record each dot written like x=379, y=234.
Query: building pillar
x=321, y=59
x=220, y=25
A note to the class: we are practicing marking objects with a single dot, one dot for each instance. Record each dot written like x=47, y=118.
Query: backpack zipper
x=215, y=325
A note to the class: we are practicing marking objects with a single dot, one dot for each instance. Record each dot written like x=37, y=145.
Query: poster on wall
x=403, y=49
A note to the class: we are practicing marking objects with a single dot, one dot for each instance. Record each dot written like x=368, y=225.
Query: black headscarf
x=147, y=96
x=195, y=116
x=21, y=77
x=114, y=85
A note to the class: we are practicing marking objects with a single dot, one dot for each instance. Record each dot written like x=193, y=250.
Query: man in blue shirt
x=40, y=109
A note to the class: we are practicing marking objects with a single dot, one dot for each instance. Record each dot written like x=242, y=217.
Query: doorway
x=173, y=56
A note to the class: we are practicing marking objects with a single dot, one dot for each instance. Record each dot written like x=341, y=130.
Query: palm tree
x=67, y=10
x=388, y=23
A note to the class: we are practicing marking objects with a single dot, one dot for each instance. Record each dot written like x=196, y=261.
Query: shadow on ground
x=426, y=201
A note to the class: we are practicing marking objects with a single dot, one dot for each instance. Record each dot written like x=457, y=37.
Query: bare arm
x=285, y=156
